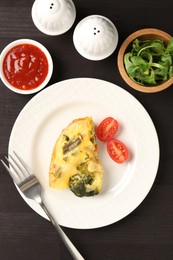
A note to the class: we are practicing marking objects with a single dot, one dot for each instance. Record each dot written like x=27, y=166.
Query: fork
x=29, y=185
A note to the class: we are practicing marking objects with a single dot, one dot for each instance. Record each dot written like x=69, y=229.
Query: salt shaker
x=53, y=17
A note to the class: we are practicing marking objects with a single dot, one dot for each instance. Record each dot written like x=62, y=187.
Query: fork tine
x=20, y=169
x=16, y=169
x=24, y=165
x=15, y=177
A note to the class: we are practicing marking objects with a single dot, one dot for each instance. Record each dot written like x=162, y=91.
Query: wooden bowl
x=144, y=34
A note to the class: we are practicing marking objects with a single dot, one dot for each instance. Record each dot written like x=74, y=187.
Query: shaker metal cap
x=53, y=17
x=95, y=37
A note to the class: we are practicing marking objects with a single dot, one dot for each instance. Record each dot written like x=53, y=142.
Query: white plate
x=125, y=186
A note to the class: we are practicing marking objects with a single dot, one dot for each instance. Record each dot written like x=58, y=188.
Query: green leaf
x=156, y=48
x=127, y=61
x=148, y=79
x=135, y=46
x=132, y=71
x=170, y=72
x=147, y=56
x=166, y=59
x=169, y=48
x=136, y=60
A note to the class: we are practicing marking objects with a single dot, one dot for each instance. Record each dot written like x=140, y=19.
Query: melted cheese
x=66, y=162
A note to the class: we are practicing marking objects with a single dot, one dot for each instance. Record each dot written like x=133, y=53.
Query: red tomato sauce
x=25, y=66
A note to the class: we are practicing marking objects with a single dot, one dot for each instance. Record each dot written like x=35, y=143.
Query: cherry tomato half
x=107, y=129
x=117, y=151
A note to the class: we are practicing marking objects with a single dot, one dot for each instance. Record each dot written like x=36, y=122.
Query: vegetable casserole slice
x=75, y=161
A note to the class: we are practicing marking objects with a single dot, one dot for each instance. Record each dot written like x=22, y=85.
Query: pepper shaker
x=95, y=37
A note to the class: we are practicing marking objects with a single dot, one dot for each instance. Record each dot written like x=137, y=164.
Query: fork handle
x=71, y=248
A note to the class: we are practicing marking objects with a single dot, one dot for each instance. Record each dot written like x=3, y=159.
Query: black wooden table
x=147, y=233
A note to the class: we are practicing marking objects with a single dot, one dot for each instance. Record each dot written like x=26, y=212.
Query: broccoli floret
x=79, y=184
x=82, y=167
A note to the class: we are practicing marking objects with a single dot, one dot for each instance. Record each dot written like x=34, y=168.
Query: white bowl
x=95, y=37
x=43, y=50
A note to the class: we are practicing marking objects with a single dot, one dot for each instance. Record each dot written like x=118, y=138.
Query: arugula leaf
x=127, y=60
x=169, y=48
x=170, y=72
x=155, y=46
x=136, y=60
x=147, y=56
x=136, y=46
x=150, y=79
